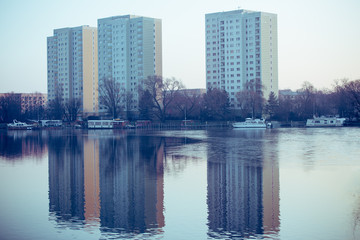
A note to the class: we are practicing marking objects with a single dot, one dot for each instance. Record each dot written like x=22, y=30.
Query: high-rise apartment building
x=72, y=66
x=130, y=50
x=242, y=52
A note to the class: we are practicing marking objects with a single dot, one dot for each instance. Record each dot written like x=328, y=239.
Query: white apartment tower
x=130, y=50
x=241, y=50
x=72, y=66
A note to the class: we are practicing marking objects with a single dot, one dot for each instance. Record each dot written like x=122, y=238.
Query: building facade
x=72, y=66
x=241, y=52
x=28, y=101
x=130, y=50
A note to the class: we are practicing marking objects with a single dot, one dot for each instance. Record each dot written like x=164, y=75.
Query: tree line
x=162, y=99
x=342, y=100
x=166, y=99
x=11, y=108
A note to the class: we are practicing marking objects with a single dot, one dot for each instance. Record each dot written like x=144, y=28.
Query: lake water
x=204, y=184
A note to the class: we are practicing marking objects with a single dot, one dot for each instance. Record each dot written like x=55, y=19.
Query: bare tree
x=10, y=107
x=306, y=100
x=129, y=104
x=72, y=109
x=215, y=104
x=146, y=105
x=352, y=89
x=251, y=99
x=346, y=97
x=187, y=103
x=162, y=92
x=56, y=108
x=111, y=96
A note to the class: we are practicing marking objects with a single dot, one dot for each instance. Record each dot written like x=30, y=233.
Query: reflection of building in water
x=243, y=189
x=16, y=145
x=131, y=183
x=74, y=179
x=116, y=180
x=66, y=177
x=271, y=194
x=91, y=182
x=234, y=197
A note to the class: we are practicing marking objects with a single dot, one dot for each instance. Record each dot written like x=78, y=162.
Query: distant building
x=130, y=50
x=29, y=101
x=241, y=52
x=193, y=92
x=288, y=94
x=72, y=68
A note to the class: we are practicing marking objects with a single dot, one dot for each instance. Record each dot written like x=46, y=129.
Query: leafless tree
x=111, y=96
x=346, y=96
x=162, y=92
x=10, y=107
x=306, y=100
x=352, y=89
x=251, y=99
x=56, y=109
x=215, y=105
x=146, y=105
x=187, y=104
x=72, y=109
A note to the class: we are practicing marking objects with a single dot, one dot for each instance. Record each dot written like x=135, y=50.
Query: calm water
x=218, y=184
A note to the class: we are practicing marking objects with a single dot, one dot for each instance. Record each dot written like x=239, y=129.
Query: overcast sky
x=318, y=41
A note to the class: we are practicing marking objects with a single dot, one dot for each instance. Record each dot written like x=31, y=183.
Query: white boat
x=325, y=122
x=16, y=125
x=250, y=123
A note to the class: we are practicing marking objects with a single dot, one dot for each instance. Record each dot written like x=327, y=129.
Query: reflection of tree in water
x=176, y=160
x=177, y=163
x=19, y=144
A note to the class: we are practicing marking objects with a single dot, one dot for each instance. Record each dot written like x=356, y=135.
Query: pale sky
x=318, y=40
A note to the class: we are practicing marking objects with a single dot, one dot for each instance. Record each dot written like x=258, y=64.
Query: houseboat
x=51, y=123
x=325, y=122
x=250, y=123
x=106, y=124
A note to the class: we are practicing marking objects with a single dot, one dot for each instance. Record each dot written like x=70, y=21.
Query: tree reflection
x=17, y=145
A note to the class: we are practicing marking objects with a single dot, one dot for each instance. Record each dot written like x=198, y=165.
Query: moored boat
x=250, y=123
x=16, y=125
x=107, y=124
x=323, y=121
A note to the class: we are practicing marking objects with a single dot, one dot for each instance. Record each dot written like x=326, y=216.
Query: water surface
x=203, y=184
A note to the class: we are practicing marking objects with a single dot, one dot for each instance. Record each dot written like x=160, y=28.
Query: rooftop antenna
x=239, y=6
